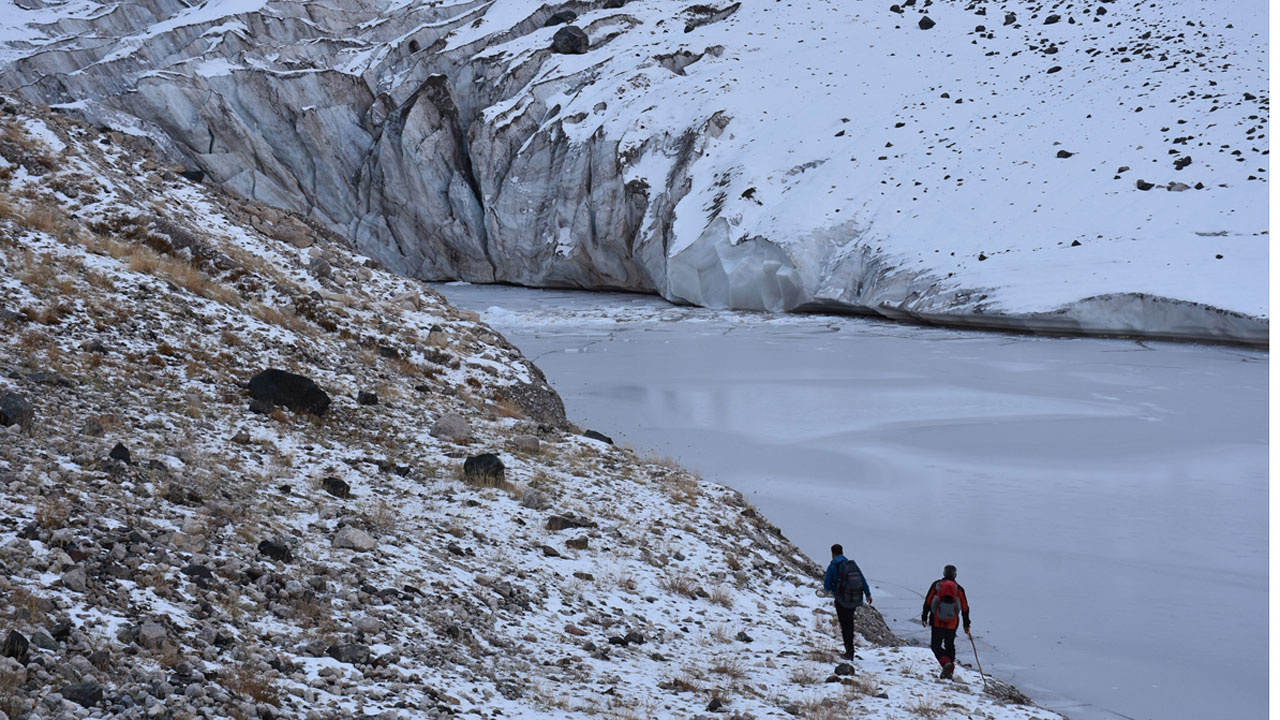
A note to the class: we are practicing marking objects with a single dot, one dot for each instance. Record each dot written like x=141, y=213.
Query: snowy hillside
x=1067, y=166
x=175, y=546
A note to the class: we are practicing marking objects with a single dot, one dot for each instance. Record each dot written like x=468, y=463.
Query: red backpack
x=946, y=602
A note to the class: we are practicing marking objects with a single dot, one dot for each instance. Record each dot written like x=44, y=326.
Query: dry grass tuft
x=732, y=667
x=806, y=675
x=721, y=596
x=280, y=318
x=926, y=708
x=826, y=707
x=680, y=583
x=246, y=682
x=506, y=408
x=53, y=511
x=42, y=217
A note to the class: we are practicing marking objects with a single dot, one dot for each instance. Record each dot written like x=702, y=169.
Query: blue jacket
x=833, y=574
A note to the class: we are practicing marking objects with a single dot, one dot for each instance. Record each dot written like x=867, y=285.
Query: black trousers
x=845, y=616
x=943, y=644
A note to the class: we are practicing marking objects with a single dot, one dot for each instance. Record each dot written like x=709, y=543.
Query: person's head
x=949, y=572
x=837, y=550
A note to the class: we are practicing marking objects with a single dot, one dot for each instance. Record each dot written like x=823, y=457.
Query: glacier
x=1069, y=168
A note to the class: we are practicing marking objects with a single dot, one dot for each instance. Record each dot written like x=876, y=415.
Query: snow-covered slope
x=167, y=552
x=1069, y=166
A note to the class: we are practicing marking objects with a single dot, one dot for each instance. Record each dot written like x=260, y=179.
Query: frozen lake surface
x=1104, y=500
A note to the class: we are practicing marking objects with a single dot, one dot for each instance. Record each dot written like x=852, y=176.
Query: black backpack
x=849, y=585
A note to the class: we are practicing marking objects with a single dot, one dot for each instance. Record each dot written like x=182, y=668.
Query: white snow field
x=1104, y=500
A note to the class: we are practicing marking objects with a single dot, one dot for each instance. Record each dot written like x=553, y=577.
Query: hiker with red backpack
x=844, y=579
x=944, y=606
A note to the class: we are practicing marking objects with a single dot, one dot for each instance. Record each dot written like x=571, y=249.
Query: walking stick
x=975, y=659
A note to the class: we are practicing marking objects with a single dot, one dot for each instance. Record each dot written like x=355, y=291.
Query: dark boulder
x=16, y=645
x=926, y=22
x=15, y=410
x=350, y=653
x=1144, y=185
x=43, y=377
x=570, y=40
x=200, y=574
x=193, y=175
x=564, y=17
x=613, y=4
x=121, y=453
x=85, y=694
x=336, y=487
x=598, y=436
x=1052, y=19
x=1010, y=18
x=565, y=522
x=275, y=550
x=487, y=469
x=845, y=669
x=1063, y=154
x=296, y=392
x=366, y=398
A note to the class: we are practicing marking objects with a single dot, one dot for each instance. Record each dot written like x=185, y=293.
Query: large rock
x=276, y=550
x=75, y=579
x=355, y=539
x=152, y=635
x=452, y=427
x=16, y=410
x=296, y=392
x=486, y=469
x=570, y=40
x=15, y=645
x=86, y=694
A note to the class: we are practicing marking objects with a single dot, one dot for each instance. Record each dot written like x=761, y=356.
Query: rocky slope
x=177, y=542
x=1064, y=166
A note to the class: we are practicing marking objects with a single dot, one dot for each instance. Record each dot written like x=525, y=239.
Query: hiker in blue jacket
x=844, y=580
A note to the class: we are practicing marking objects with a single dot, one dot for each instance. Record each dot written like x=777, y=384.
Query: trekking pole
x=975, y=659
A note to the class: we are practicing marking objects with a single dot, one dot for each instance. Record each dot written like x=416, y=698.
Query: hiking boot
x=947, y=670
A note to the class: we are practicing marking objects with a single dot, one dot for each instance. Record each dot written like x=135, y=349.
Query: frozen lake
x=1105, y=501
